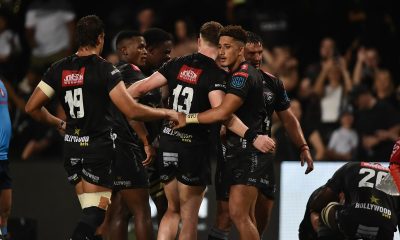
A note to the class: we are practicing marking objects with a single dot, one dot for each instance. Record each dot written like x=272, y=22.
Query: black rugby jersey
x=358, y=180
x=275, y=99
x=190, y=79
x=131, y=74
x=247, y=83
x=82, y=85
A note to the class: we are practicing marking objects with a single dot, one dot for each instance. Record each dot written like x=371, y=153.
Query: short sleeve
x=113, y=76
x=49, y=78
x=282, y=100
x=219, y=83
x=166, y=67
x=239, y=84
x=333, y=140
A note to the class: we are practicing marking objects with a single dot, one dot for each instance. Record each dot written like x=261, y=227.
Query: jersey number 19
x=74, y=99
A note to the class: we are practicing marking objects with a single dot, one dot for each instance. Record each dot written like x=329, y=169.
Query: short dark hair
x=156, y=36
x=88, y=29
x=124, y=35
x=209, y=31
x=253, y=38
x=234, y=31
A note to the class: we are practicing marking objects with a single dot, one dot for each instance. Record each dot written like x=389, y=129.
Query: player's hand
x=150, y=154
x=305, y=156
x=173, y=116
x=181, y=121
x=264, y=144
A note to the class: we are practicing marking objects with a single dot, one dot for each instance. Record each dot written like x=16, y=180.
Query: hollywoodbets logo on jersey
x=72, y=78
x=189, y=75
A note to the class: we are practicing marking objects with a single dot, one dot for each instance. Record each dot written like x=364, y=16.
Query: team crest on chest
x=268, y=97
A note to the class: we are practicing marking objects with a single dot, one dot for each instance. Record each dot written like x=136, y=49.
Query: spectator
x=344, y=140
x=327, y=51
x=145, y=19
x=286, y=150
x=49, y=28
x=367, y=64
x=10, y=48
x=332, y=86
x=113, y=58
x=384, y=87
x=185, y=41
x=377, y=123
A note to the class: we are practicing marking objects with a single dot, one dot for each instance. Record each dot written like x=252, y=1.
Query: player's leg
x=161, y=202
x=170, y=222
x=242, y=200
x=5, y=197
x=190, y=198
x=5, y=209
x=137, y=201
x=263, y=212
x=115, y=226
x=221, y=229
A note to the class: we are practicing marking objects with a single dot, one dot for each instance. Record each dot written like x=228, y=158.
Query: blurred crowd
x=339, y=62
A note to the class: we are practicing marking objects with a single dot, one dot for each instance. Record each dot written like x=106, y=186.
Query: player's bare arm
x=35, y=108
x=136, y=111
x=293, y=128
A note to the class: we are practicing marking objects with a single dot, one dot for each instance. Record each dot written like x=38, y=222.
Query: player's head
x=159, y=47
x=254, y=49
x=232, y=40
x=131, y=47
x=90, y=32
x=209, y=33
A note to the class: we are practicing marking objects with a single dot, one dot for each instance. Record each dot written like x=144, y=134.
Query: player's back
x=83, y=85
x=190, y=79
x=358, y=181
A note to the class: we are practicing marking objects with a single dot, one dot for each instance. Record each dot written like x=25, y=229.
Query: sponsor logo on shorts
x=264, y=181
x=164, y=177
x=75, y=161
x=252, y=180
x=190, y=179
x=189, y=75
x=83, y=141
x=170, y=159
x=122, y=183
x=94, y=178
x=73, y=177
x=183, y=136
x=71, y=78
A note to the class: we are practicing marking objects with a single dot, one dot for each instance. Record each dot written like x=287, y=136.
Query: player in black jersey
x=130, y=191
x=309, y=225
x=158, y=46
x=247, y=166
x=367, y=213
x=275, y=99
x=87, y=85
x=195, y=83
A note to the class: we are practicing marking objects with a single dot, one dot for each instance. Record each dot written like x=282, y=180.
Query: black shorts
x=188, y=163
x=128, y=169
x=252, y=168
x=5, y=179
x=362, y=223
x=156, y=185
x=91, y=161
x=222, y=180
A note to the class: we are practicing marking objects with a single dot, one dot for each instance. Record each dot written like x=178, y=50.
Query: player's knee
x=237, y=214
x=93, y=216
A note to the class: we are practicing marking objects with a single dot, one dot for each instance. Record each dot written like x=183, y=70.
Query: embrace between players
x=108, y=150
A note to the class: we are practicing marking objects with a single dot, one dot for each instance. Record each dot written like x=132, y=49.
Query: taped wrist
x=250, y=135
x=192, y=118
